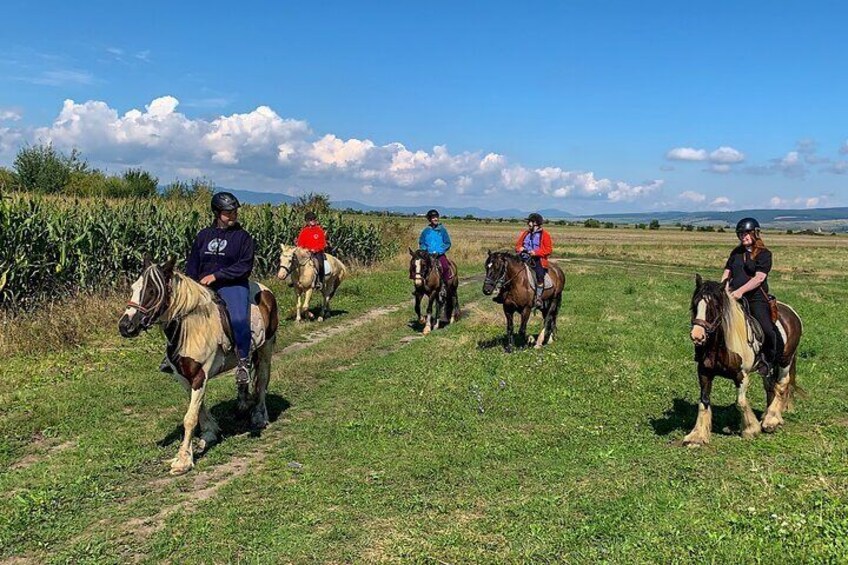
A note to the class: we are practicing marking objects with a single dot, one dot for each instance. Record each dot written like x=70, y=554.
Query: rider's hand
x=736, y=295
x=207, y=280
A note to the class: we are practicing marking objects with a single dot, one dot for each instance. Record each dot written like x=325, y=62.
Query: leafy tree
x=140, y=182
x=591, y=223
x=313, y=202
x=43, y=168
x=654, y=225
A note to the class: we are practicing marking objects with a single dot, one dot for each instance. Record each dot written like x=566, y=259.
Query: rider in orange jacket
x=534, y=245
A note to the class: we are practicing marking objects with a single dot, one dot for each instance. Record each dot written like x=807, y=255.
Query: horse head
x=495, y=266
x=150, y=298
x=707, y=308
x=420, y=264
x=287, y=261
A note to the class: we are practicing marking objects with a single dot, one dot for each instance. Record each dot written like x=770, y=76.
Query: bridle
x=500, y=282
x=149, y=314
x=709, y=327
x=290, y=267
x=425, y=267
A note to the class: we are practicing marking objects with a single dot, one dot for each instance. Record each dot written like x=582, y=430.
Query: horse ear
x=698, y=280
x=282, y=247
x=411, y=252
x=489, y=252
x=168, y=266
x=146, y=261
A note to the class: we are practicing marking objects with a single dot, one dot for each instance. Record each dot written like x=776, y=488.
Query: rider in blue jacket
x=434, y=239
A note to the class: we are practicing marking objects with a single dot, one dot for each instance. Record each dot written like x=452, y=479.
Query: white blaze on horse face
x=699, y=334
x=135, y=298
x=418, y=277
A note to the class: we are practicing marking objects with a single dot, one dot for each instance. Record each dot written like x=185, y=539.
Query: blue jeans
x=237, y=299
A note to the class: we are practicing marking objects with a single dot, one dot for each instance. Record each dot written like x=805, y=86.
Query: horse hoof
x=320, y=318
x=427, y=330
x=695, y=441
x=180, y=468
x=770, y=425
x=421, y=321
x=750, y=434
x=537, y=346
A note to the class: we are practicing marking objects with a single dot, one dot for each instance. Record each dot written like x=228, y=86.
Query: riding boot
x=540, y=288
x=764, y=368
x=243, y=372
x=165, y=367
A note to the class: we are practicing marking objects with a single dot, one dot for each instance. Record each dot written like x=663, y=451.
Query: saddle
x=531, y=276
x=757, y=333
x=257, y=322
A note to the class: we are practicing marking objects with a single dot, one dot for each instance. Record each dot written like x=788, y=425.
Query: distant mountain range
x=832, y=218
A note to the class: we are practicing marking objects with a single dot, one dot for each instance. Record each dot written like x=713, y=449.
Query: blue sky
x=582, y=106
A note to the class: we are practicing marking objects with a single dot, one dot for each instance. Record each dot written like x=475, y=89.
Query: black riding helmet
x=536, y=219
x=224, y=202
x=746, y=225
x=432, y=214
x=309, y=216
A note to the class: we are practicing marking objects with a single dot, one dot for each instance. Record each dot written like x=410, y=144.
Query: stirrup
x=165, y=367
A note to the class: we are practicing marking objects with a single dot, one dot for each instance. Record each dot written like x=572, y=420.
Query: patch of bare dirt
x=42, y=448
x=319, y=336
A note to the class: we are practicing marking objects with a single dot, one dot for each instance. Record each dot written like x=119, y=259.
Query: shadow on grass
x=315, y=311
x=682, y=416
x=231, y=421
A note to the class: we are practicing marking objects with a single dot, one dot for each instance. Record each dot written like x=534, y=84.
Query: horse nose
x=125, y=326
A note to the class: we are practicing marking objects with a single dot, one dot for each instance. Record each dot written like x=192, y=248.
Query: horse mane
x=734, y=325
x=195, y=307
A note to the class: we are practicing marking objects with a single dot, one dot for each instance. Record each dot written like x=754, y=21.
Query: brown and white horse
x=297, y=263
x=726, y=346
x=192, y=319
x=508, y=274
x=427, y=281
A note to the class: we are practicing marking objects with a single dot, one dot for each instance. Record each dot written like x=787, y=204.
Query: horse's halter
x=425, y=269
x=498, y=282
x=149, y=314
x=709, y=327
x=291, y=266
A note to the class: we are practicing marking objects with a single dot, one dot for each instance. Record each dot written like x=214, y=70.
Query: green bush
x=591, y=223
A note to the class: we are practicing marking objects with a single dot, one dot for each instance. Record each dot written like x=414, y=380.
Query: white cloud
x=844, y=149
x=721, y=168
x=60, y=78
x=262, y=148
x=8, y=114
x=801, y=201
x=686, y=154
x=790, y=165
x=727, y=155
x=838, y=168
x=721, y=203
x=691, y=196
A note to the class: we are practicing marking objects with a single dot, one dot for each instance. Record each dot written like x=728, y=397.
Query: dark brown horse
x=727, y=345
x=517, y=294
x=424, y=269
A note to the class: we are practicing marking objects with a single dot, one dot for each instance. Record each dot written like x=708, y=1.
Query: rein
x=501, y=283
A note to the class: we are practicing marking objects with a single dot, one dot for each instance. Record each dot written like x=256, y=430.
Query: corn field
x=53, y=246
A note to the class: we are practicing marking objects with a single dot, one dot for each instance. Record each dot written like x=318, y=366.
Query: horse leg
x=325, y=302
x=750, y=425
x=307, y=298
x=454, y=300
x=437, y=317
x=184, y=460
x=776, y=398
x=546, y=312
x=522, y=329
x=509, y=329
x=427, y=327
x=259, y=416
x=700, y=434
x=209, y=428
x=418, y=308
x=297, y=306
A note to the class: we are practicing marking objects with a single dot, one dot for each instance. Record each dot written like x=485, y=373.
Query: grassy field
x=388, y=447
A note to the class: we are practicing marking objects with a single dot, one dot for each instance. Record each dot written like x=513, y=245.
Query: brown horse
x=428, y=282
x=517, y=294
x=727, y=345
x=199, y=346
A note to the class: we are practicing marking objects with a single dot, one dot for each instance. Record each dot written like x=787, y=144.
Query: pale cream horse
x=297, y=263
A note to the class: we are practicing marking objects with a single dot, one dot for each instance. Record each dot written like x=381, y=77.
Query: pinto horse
x=199, y=348
x=726, y=345
x=424, y=270
x=516, y=284
x=297, y=263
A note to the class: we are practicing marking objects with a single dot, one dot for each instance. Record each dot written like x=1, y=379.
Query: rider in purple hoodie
x=222, y=259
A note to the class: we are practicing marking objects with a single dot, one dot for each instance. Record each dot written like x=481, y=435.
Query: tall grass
x=52, y=247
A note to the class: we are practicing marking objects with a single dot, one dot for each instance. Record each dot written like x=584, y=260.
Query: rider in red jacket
x=313, y=238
